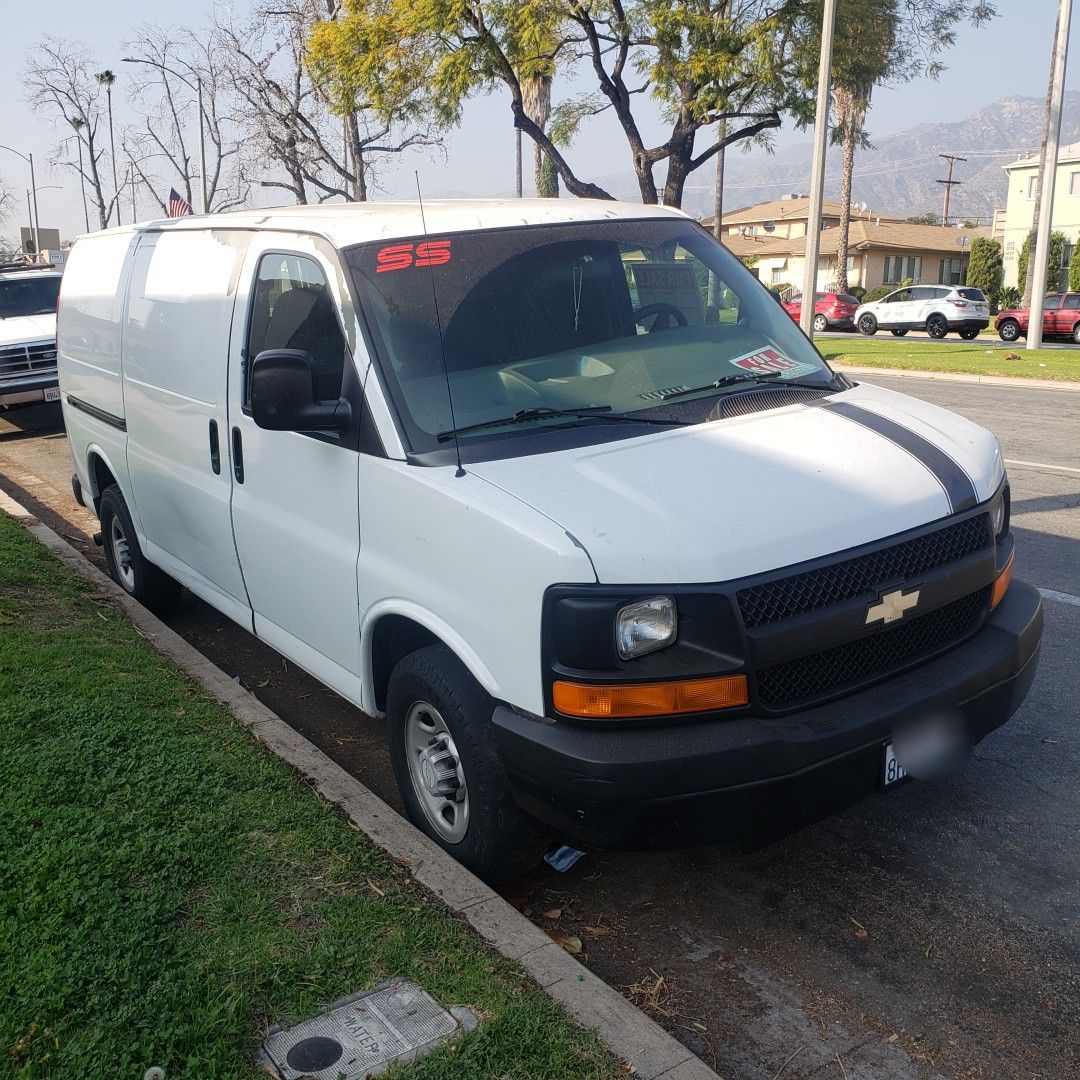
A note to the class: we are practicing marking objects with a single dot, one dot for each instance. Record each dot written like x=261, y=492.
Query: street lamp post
x=1048, y=167
x=199, y=100
x=29, y=158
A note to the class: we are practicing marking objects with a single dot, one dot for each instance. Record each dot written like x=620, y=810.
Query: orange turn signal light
x=1001, y=583
x=626, y=700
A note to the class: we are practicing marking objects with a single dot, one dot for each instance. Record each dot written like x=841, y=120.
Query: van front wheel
x=127, y=565
x=448, y=773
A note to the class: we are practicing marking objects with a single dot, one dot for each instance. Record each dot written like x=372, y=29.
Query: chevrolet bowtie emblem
x=893, y=606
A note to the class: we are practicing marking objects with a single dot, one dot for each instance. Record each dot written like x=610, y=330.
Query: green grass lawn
x=974, y=358
x=168, y=888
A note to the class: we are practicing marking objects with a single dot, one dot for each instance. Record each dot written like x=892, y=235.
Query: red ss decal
x=402, y=256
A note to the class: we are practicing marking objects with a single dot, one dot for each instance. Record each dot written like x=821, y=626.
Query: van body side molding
x=98, y=414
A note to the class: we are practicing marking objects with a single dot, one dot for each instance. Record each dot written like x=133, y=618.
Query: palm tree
x=850, y=103
x=865, y=54
x=536, y=101
x=107, y=78
x=78, y=124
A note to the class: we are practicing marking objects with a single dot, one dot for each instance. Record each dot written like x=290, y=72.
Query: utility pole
x=949, y=183
x=1048, y=175
x=817, y=172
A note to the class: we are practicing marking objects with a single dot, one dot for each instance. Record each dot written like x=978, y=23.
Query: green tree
x=1074, y=270
x=703, y=61
x=984, y=269
x=929, y=218
x=1056, y=268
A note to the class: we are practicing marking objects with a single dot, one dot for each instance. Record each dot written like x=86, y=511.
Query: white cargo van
x=559, y=489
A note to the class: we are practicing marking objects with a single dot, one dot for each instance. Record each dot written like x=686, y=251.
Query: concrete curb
x=955, y=376
x=624, y=1029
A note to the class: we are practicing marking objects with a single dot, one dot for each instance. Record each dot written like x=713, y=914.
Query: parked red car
x=832, y=311
x=1061, y=318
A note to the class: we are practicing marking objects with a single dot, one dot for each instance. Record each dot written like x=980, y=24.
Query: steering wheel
x=669, y=313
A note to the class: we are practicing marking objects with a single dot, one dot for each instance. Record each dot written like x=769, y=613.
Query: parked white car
x=28, y=301
x=937, y=309
x=559, y=489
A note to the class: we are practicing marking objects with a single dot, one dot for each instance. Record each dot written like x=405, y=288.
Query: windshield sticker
x=402, y=256
x=766, y=361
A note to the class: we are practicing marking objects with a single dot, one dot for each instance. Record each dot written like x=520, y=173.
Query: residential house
x=1020, y=210
x=880, y=251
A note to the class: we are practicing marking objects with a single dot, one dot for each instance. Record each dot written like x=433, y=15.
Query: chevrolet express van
x=561, y=491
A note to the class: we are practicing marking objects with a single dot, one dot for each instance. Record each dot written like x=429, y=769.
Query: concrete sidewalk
x=951, y=376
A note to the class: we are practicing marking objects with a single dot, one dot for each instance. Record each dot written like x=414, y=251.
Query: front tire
x=937, y=326
x=128, y=567
x=969, y=333
x=821, y=324
x=1009, y=330
x=448, y=774
x=899, y=333
x=867, y=325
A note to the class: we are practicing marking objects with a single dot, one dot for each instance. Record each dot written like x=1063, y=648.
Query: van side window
x=293, y=309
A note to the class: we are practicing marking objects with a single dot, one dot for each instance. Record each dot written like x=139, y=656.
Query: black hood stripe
x=957, y=484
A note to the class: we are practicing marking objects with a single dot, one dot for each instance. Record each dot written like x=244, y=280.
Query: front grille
x=826, y=586
x=27, y=359
x=822, y=674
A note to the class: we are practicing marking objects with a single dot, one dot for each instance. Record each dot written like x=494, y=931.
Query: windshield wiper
x=725, y=380
x=542, y=412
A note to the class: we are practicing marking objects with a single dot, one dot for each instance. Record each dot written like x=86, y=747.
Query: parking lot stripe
x=1042, y=465
x=1060, y=597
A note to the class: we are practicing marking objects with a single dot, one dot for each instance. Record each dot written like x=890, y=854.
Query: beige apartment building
x=1019, y=213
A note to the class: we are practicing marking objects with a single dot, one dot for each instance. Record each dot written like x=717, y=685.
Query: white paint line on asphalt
x=1060, y=597
x=1043, y=465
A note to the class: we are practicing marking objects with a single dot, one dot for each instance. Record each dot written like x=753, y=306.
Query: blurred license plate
x=53, y=393
x=892, y=770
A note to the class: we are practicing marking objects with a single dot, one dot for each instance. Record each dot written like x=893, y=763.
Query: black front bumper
x=28, y=387
x=751, y=778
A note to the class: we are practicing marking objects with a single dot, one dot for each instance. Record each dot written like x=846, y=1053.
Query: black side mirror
x=283, y=394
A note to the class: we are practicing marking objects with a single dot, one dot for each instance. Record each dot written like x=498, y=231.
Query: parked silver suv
x=937, y=309
x=28, y=300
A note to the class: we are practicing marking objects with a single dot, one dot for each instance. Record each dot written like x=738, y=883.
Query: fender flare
x=430, y=622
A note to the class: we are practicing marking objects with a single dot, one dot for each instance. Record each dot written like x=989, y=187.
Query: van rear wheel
x=127, y=565
x=448, y=773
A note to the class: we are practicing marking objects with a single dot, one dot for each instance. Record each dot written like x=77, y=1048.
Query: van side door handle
x=215, y=448
x=237, y=455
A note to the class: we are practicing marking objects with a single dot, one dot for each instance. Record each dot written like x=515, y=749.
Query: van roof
x=344, y=224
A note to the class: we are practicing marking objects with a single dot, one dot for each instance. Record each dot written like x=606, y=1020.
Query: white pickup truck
x=560, y=490
x=28, y=301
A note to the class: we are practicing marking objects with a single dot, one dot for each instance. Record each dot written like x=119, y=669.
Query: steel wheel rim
x=820, y=323
x=121, y=553
x=1010, y=332
x=435, y=771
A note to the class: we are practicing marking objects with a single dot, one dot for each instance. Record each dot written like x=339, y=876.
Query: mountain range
x=897, y=175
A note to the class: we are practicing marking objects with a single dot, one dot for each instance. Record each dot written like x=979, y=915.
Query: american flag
x=178, y=205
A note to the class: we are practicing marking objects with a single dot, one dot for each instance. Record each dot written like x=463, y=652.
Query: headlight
x=999, y=513
x=645, y=626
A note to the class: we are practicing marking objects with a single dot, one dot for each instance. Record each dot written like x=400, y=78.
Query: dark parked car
x=1061, y=318
x=832, y=311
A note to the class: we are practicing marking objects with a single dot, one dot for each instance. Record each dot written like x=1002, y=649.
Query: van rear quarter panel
x=88, y=336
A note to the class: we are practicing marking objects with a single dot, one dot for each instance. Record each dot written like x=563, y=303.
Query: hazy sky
x=1010, y=56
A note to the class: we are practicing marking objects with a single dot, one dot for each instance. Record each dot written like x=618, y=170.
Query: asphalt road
x=931, y=931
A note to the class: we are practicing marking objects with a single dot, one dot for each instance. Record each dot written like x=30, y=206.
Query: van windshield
x=617, y=317
x=28, y=296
